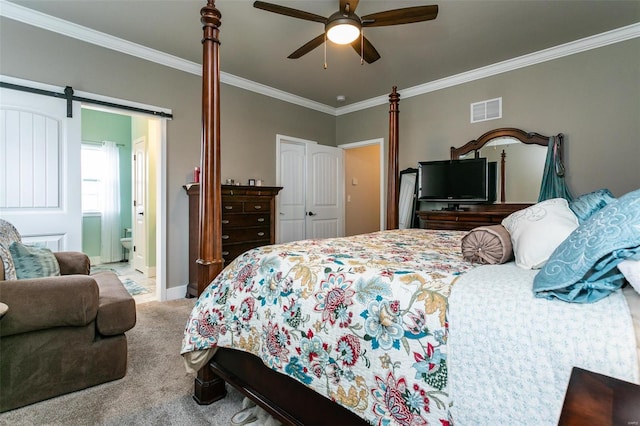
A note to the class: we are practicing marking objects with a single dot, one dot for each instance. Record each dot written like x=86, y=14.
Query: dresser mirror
x=520, y=157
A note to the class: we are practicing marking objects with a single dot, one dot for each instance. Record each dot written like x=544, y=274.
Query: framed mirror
x=520, y=157
x=407, y=199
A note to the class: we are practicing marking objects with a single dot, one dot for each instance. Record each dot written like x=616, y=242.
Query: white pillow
x=631, y=270
x=537, y=230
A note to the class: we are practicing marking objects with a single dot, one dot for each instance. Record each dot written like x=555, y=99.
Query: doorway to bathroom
x=118, y=166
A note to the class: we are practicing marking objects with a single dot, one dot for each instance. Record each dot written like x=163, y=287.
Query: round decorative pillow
x=487, y=245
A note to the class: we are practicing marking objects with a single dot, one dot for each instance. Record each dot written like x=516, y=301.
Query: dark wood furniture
x=284, y=398
x=248, y=221
x=595, y=399
x=472, y=217
x=484, y=214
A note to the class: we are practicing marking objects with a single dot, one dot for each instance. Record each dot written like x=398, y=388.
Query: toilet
x=126, y=242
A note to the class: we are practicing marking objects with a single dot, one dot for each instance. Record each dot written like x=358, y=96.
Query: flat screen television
x=457, y=181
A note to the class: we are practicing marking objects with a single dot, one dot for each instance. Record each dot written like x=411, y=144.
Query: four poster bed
x=371, y=329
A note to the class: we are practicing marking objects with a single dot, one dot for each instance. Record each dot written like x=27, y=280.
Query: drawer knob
x=260, y=234
x=225, y=222
x=225, y=237
x=228, y=207
x=261, y=219
x=257, y=207
x=225, y=253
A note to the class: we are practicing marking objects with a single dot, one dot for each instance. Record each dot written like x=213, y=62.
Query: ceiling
x=466, y=35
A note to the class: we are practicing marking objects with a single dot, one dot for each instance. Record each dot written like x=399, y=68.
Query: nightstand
x=595, y=399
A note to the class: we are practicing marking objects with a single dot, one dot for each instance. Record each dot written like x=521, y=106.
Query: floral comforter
x=362, y=320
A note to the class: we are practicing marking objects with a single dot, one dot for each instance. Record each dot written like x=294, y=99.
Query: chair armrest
x=73, y=262
x=116, y=307
x=41, y=303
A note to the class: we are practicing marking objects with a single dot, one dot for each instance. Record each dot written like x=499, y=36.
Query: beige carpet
x=156, y=390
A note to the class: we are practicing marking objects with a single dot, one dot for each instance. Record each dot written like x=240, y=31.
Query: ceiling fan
x=345, y=27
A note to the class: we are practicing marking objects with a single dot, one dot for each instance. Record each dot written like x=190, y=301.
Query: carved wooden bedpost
x=210, y=260
x=392, y=165
x=208, y=386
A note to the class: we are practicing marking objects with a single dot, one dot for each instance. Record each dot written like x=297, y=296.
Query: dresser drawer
x=243, y=220
x=231, y=206
x=450, y=225
x=231, y=251
x=256, y=206
x=238, y=235
x=469, y=218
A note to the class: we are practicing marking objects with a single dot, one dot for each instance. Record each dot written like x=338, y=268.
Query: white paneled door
x=325, y=192
x=311, y=202
x=40, y=183
x=291, y=199
x=139, y=204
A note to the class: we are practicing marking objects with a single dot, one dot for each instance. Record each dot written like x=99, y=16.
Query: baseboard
x=177, y=292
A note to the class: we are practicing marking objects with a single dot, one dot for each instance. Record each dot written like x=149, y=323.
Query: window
x=92, y=161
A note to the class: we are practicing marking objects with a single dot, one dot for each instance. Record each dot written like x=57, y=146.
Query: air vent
x=486, y=110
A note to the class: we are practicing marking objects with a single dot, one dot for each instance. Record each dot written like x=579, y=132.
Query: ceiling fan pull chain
x=362, y=47
x=325, y=51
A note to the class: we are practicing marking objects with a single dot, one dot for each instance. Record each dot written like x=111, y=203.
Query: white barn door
x=40, y=182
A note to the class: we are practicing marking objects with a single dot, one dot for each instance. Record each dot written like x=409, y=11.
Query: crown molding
x=243, y=83
x=593, y=42
x=69, y=29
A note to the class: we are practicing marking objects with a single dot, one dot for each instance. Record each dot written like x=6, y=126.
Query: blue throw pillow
x=587, y=204
x=583, y=267
x=33, y=261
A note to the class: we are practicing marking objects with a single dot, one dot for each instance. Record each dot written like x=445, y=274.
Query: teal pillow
x=33, y=261
x=583, y=269
x=587, y=204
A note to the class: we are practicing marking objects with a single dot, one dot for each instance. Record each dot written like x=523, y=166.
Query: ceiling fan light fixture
x=342, y=31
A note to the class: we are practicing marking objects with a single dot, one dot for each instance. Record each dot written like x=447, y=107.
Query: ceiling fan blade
x=353, y=4
x=370, y=54
x=308, y=47
x=287, y=11
x=406, y=15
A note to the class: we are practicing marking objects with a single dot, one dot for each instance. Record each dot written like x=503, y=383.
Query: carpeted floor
x=156, y=390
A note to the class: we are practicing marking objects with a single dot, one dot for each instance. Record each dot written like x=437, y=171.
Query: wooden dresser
x=248, y=221
x=472, y=217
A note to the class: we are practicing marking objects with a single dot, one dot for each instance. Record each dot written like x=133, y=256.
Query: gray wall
x=250, y=121
x=592, y=97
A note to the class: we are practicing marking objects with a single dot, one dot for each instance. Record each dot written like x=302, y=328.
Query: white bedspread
x=511, y=354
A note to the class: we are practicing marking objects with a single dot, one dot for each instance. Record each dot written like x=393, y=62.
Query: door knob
x=311, y=214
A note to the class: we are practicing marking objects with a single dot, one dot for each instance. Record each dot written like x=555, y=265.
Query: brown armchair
x=62, y=333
